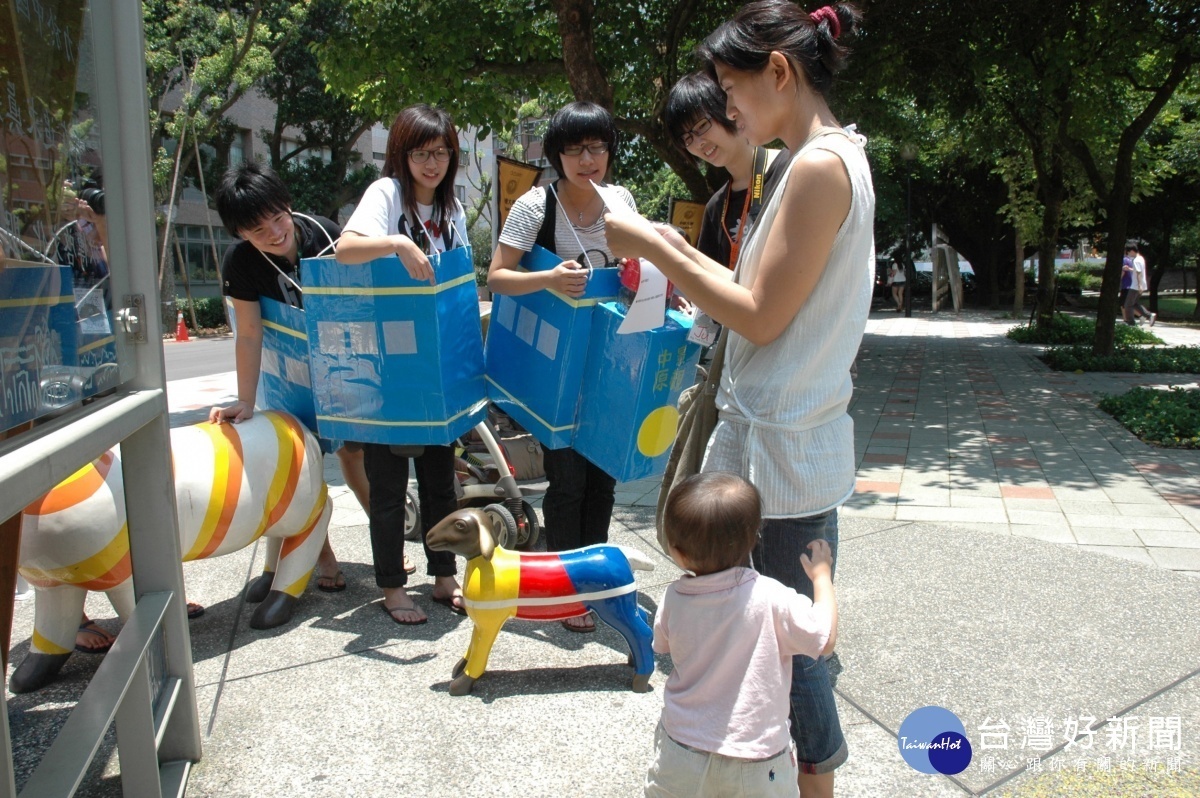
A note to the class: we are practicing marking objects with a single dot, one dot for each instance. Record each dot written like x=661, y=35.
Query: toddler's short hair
x=713, y=519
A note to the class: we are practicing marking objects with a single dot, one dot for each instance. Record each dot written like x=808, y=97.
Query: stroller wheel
x=532, y=530
x=504, y=526
x=412, y=516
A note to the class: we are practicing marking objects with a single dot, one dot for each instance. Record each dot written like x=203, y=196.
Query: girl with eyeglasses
x=567, y=218
x=794, y=310
x=696, y=121
x=410, y=212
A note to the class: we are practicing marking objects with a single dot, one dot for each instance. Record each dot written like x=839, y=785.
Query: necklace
x=579, y=214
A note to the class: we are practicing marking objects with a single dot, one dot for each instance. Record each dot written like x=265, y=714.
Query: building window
x=237, y=149
x=460, y=191
x=379, y=156
x=464, y=158
x=196, y=250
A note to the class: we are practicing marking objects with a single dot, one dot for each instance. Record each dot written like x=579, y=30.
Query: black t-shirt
x=247, y=275
x=715, y=233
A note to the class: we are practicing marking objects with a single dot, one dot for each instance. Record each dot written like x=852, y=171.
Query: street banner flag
x=687, y=215
x=515, y=178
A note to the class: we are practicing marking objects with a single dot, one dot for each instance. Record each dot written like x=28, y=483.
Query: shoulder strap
x=758, y=181
x=545, y=236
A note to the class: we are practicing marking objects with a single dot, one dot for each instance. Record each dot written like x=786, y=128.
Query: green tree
x=202, y=56
x=327, y=122
x=624, y=56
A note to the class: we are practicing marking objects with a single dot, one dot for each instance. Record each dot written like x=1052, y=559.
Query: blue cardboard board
x=631, y=385
x=394, y=360
x=285, y=379
x=39, y=341
x=537, y=348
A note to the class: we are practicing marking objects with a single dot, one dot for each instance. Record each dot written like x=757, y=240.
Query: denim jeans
x=820, y=746
x=578, y=503
x=387, y=474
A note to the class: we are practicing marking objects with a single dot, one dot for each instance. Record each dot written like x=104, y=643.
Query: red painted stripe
x=544, y=577
x=551, y=612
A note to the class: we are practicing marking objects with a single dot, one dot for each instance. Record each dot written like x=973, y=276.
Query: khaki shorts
x=682, y=772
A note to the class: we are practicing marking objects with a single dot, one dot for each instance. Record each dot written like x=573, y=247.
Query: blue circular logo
x=933, y=740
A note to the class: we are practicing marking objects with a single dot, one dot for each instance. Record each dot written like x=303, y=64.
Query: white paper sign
x=90, y=310
x=649, y=308
x=612, y=200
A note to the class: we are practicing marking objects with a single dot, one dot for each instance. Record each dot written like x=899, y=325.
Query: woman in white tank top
x=795, y=309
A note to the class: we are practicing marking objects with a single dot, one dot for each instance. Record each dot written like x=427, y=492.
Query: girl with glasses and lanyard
x=566, y=218
x=696, y=121
x=410, y=212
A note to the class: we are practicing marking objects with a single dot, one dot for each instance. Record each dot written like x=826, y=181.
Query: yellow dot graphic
x=657, y=432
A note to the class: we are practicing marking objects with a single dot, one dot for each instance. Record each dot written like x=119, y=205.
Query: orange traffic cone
x=181, y=333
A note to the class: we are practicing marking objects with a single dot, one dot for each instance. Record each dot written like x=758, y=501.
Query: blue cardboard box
x=285, y=380
x=537, y=348
x=39, y=341
x=631, y=384
x=394, y=360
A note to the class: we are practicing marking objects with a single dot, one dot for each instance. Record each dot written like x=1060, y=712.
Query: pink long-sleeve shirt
x=732, y=636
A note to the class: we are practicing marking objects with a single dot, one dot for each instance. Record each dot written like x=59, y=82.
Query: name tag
x=704, y=330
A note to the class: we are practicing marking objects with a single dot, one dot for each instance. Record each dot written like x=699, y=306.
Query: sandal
x=334, y=583
x=94, y=631
x=194, y=610
x=391, y=611
x=589, y=627
x=453, y=603
x=409, y=566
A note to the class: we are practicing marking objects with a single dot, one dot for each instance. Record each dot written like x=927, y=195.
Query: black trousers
x=578, y=503
x=387, y=474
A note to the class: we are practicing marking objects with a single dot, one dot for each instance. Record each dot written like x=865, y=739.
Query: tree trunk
x=1110, y=286
x=587, y=78
x=1019, y=285
x=1157, y=271
x=1047, y=250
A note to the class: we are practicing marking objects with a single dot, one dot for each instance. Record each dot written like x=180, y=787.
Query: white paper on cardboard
x=649, y=307
x=612, y=200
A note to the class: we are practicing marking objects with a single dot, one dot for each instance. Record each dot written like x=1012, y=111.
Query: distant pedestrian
x=898, y=281
x=1132, y=308
x=731, y=633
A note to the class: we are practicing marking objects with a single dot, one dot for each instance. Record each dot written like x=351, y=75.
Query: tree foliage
x=312, y=143
x=624, y=56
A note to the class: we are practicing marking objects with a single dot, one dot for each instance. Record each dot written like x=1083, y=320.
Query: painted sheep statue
x=233, y=484
x=502, y=584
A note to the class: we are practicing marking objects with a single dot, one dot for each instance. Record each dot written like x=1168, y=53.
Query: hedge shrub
x=1164, y=418
x=210, y=311
x=1139, y=360
x=1076, y=330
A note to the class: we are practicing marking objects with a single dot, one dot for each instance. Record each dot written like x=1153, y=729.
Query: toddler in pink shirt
x=731, y=634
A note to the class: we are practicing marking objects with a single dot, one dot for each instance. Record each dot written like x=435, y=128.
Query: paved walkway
x=975, y=573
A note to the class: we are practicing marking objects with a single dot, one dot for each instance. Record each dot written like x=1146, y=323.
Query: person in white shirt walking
x=1139, y=285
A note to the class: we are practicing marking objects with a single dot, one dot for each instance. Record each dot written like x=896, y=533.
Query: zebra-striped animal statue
x=233, y=484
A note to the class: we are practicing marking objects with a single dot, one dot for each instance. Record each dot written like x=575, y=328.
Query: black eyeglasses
x=702, y=127
x=595, y=148
x=441, y=155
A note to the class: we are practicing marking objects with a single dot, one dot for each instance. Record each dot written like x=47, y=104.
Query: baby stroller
x=488, y=482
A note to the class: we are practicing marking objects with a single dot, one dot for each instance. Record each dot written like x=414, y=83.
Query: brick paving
x=956, y=424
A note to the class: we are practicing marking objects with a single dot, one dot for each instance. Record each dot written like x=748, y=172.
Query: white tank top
x=783, y=421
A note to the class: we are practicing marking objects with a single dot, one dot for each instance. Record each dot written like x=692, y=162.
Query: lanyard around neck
x=754, y=194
